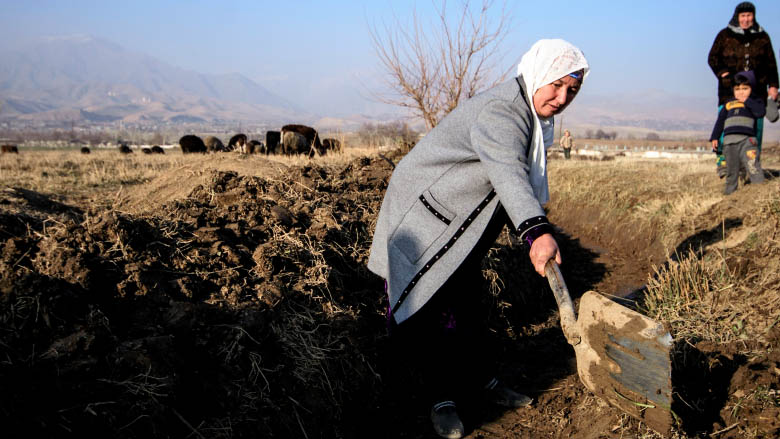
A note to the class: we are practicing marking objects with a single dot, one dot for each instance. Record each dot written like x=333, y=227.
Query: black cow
x=237, y=141
x=156, y=149
x=9, y=149
x=255, y=146
x=124, y=149
x=213, y=144
x=146, y=150
x=272, y=141
x=309, y=133
x=191, y=143
x=84, y=150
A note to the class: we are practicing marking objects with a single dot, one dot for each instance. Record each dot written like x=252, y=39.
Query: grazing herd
x=292, y=139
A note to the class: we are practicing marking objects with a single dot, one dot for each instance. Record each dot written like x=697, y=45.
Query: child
x=737, y=122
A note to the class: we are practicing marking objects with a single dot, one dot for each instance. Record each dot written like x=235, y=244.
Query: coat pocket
x=422, y=225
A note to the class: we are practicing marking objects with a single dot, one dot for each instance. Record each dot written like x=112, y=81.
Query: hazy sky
x=319, y=53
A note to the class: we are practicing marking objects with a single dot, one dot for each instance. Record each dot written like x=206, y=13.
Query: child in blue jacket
x=737, y=123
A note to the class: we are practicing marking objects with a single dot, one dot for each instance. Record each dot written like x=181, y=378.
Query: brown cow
x=312, y=138
x=295, y=143
x=9, y=149
x=213, y=144
x=330, y=145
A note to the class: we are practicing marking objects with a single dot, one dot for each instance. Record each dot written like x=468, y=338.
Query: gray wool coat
x=443, y=193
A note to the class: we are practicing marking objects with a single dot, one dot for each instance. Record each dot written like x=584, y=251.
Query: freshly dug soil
x=245, y=310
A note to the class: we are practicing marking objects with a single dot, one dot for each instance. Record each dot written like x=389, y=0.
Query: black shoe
x=446, y=421
x=506, y=397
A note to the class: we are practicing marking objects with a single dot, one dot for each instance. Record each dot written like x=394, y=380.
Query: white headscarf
x=545, y=62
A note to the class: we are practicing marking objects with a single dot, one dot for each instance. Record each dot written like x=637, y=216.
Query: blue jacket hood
x=751, y=77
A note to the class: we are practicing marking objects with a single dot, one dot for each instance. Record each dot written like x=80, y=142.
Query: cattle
x=255, y=146
x=146, y=150
x=330, y=145
x=272, y=142
x=124, y=149
x=156, y=149
x=295, y=143
x=213, y=144
x=312, y=138
x=191, y=143
x=84, y=150
x=9, y=149
x=237, y=141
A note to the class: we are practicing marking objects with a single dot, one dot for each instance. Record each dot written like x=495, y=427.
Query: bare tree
x=431, y=69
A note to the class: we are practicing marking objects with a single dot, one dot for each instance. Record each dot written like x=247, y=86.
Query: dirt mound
x=240, y=310
x=721, y=387
x=244, y=309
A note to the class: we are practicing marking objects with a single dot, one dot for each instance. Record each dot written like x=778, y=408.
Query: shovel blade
x=624, y=359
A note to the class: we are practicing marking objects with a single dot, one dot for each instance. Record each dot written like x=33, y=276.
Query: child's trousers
x=742, y=154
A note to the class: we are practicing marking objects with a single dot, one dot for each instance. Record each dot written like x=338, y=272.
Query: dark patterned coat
x=735, y=50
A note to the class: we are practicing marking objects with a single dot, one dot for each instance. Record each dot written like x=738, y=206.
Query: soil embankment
x=245, y=310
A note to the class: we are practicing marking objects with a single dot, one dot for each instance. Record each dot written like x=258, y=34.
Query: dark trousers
x=448, y=338
x=567, y=152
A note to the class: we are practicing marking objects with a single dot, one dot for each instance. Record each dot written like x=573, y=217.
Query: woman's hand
x=714, y=146
x=543, y=249
x=772, y=92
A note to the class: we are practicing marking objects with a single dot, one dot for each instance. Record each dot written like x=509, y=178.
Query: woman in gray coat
x=483, y=166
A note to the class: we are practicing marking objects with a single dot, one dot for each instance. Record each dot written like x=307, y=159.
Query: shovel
x=622, y=356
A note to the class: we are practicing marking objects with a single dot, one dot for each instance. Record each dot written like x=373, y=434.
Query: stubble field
x=227, y=296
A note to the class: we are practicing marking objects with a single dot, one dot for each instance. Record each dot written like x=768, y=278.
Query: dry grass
x=723, y=291
x=139, y=182
x=656, y=195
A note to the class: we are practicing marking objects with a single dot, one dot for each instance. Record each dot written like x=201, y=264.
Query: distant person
x=736, y=126
x=743, y=45
x=481, y=168
x=567, y=142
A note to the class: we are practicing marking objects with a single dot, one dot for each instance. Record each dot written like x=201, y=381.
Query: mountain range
x=83, y=79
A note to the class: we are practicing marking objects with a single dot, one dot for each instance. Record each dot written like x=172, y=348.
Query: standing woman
x=483, y=166
x=743, y=45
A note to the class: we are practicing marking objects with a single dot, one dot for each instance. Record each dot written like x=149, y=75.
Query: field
x=221, y=296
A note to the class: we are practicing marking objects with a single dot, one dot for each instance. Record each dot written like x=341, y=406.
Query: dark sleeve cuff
x=533, y=228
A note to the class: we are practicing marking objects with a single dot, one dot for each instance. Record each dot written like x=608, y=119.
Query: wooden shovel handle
x=565, y=305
